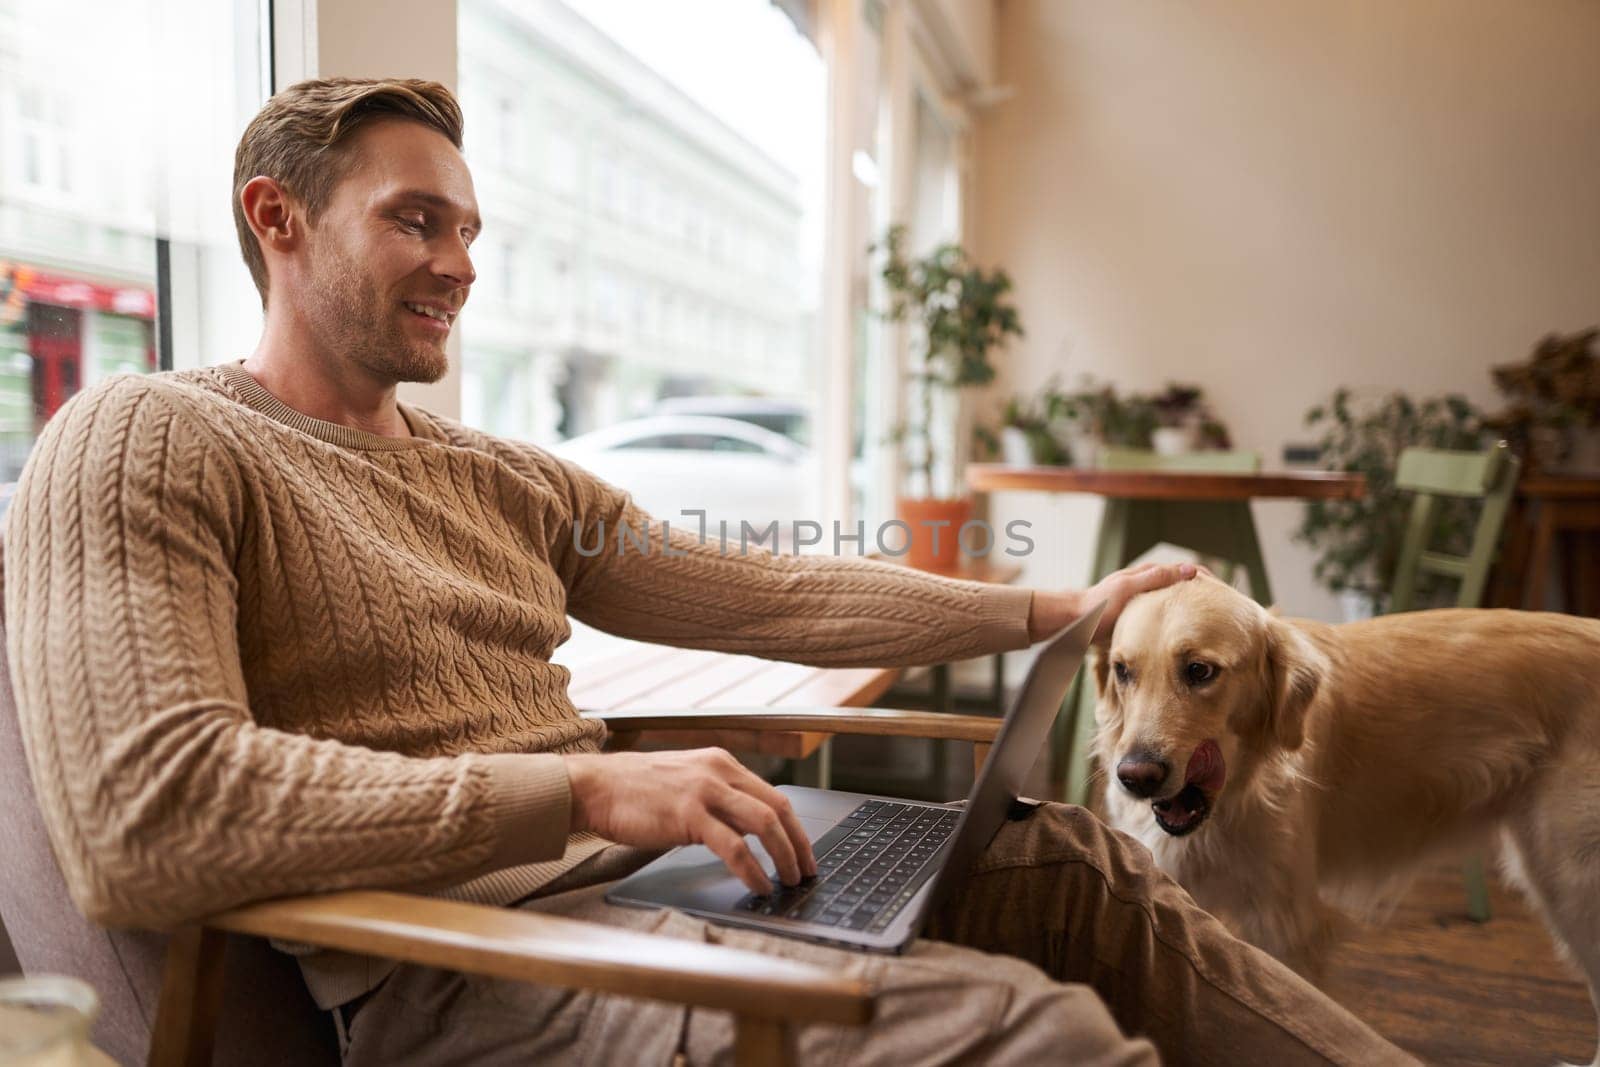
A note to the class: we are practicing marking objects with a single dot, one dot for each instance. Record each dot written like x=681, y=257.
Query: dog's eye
x=1198, y=673
x=1122, y=672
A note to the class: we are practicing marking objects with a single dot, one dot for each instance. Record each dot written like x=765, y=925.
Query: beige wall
x=1274, y=199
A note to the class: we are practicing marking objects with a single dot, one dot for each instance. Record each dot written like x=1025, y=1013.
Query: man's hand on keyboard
x=703, y=796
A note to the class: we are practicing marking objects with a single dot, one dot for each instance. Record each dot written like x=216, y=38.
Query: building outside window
x=115, y=182
x=663, y=154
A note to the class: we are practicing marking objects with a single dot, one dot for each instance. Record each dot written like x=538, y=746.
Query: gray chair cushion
x=267, y=1018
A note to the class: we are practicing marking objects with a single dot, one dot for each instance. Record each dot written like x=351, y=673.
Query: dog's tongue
x=1206, y=768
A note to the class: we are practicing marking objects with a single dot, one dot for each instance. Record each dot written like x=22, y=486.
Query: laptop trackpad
x=693, y=876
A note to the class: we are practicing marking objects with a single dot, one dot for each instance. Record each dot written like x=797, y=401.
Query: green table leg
x=1079, y=739
x=1248, y=552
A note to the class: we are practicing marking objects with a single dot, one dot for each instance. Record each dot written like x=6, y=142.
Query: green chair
x=1432, y=475
x=1115, y=458
x=1221, y=532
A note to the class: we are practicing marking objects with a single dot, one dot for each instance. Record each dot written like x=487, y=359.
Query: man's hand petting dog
x=1053, y=610
x=698, y=797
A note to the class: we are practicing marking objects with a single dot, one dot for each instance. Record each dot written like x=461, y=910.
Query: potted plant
x=1177, y=412
x=1011, y=443
x=1079, y=419
x=1025, y=436
x=1553, y=420
x=1358, y=541
x=1128, y=421
x=960, y=315
x=1214, y=433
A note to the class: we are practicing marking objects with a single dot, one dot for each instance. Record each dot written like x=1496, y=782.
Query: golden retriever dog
x=1276, y=766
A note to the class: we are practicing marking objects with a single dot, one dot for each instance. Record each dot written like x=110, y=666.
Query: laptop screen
x=1015, y=749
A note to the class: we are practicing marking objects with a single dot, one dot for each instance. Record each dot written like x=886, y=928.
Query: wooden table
x=1207, y=513
x=1554, y=523
x=614, y=674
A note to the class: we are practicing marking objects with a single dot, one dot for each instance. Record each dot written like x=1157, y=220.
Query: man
x=274, y=632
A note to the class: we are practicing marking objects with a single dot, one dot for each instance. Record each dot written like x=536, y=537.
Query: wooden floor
x=1456, y=992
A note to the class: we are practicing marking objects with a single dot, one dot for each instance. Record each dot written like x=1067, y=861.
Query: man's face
x=387, y=267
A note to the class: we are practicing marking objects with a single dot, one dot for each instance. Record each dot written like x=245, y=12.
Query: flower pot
x=1015, y=448
x=1085, y=450
x=923, y=515
x=1172, y=440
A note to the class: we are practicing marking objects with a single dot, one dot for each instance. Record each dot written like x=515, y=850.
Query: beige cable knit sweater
x=259, y=654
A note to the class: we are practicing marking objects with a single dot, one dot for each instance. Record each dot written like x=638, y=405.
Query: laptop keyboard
x=869, y=873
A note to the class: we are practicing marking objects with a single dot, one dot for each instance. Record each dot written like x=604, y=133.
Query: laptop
x=882, y=864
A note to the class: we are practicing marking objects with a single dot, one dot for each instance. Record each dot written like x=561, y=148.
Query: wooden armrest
x=877, y=721
x=547, y=950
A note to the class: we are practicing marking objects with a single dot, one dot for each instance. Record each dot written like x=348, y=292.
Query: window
x=733, y=444
x=694, y=442
x=605, y=183
x=116, y=153
x=561, y=161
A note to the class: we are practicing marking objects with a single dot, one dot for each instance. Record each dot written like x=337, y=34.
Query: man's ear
x=1295, y=670
x=271, y=214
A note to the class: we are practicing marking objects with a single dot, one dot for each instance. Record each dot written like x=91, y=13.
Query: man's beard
x=353, y=321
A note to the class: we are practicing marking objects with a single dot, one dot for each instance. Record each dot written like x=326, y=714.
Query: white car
x=731, y=469
x=780, y=416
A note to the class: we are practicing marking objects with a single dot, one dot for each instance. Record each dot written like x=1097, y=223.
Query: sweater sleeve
x=163, y=798
x=824, y=611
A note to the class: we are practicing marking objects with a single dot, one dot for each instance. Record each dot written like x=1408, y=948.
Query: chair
x=216, y=993
x=1115, y=458
x=1432, y=475
x=1205, y=525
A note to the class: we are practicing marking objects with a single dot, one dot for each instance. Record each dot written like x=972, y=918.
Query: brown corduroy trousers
x=1066, y=945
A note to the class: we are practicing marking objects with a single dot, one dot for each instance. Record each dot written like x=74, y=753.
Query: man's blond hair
x=299, y=137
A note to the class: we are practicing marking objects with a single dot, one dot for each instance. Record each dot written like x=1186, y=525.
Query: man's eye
x=415, y=225
x=1198, y=673
x=1122, y=672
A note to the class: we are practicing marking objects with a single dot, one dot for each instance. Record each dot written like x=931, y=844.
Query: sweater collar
x=254, y=395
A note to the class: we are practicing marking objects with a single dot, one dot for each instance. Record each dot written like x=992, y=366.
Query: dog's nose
x=1142, y=775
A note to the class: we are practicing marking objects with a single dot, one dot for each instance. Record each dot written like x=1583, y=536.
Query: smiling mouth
x=1183, y=812
x=437, y=314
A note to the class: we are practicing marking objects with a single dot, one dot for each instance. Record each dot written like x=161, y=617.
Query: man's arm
x=821, y=610
x=164, y=799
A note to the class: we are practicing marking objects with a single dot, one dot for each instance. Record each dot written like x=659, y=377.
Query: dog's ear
x=1105, y=704
x=1295, y=669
